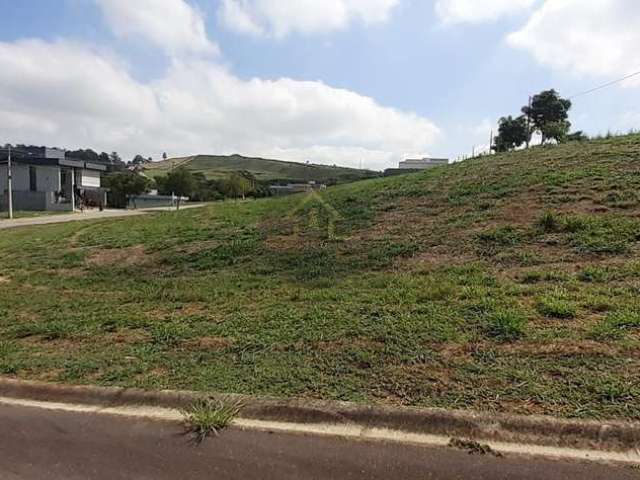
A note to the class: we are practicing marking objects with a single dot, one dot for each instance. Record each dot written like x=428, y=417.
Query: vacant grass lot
x=505, y=284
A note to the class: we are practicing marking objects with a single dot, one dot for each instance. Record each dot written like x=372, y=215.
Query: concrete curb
x=536, y=430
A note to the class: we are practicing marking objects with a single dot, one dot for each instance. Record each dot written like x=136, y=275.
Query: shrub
x=506, y=325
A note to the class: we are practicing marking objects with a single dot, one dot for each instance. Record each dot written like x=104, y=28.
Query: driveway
x=87, y=215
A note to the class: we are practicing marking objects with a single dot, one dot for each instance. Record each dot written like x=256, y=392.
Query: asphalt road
x=87, y=215
x=41, y=444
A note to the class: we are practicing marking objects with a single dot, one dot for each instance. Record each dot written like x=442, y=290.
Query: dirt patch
x=192, y=310
x=128, y=337
x=437, y=257
x=122, y=257
x=209, y=343
x=560, y=349
x=4, y=279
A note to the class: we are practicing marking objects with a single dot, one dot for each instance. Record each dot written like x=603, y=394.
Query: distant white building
x=422, y=163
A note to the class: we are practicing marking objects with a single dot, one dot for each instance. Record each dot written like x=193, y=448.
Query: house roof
x=54, y=162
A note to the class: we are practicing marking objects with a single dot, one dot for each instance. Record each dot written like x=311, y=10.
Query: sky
x=347, y=82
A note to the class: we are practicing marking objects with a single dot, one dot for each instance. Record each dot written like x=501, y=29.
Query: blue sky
x=335, y=81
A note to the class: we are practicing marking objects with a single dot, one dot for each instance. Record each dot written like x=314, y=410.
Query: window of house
x=33, y=179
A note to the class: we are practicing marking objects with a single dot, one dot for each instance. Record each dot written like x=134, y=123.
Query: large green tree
x=123, y=185
x=180, y=182
x=512, y=133
x=549, y=115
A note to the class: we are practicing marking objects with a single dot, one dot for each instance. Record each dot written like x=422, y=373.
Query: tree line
x=183, y=183
x=547, y=114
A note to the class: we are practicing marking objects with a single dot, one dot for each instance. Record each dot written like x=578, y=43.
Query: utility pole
x=529, y=122
x=491, y=142
x=10, y=184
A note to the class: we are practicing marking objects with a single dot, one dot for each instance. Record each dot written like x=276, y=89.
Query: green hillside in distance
x=264, y=170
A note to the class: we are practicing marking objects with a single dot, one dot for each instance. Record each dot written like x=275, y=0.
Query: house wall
x=47, y=179
x=47, y=182
x=90, y=178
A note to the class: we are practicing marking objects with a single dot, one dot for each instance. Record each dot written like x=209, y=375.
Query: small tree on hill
x=512, y=133
x=180, y=182
x=549, y=114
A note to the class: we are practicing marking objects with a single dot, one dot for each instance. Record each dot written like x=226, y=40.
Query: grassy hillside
x=215, y=167
x=508, y=283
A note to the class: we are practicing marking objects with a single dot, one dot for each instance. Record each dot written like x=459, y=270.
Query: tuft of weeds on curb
x=473, y=448
x=209, y=416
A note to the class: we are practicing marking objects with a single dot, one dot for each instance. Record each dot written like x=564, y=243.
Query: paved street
x=40, y=444
x=87, y=215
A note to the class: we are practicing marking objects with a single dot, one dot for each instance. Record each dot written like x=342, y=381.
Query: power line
x=631, y=75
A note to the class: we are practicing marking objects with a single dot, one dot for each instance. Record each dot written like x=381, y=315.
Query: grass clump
x=615, y=325
x=491, y=242
x=549, y=222
x=209, y=416
x=557, y=305
x=506, y=325
x=594, y=274
x=602, y=235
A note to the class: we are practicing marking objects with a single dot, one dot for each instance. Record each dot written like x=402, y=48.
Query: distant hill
x=266, y=170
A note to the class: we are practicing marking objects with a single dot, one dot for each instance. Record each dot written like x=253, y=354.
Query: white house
x=422, y=163
x=51, y=182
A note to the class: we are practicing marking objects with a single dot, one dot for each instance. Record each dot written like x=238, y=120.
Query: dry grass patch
x=123, y=257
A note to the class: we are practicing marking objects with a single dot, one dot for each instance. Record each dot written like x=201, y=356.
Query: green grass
x=507, y=284
x=210, y=416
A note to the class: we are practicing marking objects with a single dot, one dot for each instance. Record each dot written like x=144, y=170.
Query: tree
x=115, y=158
x=512, y=133
x=239, y=184
x=557, y=131
x=549, y=115
x=125, y=184
x=578, y=136
x=164, y=156
x=138, y=160
x=180, y=182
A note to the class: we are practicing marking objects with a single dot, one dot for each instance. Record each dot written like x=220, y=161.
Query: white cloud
x=70, y=95
x=173, y=25
x=281, y=18
x=595, y=37
x=478, y=11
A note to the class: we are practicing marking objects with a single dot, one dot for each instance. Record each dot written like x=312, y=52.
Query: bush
x=506, y=325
